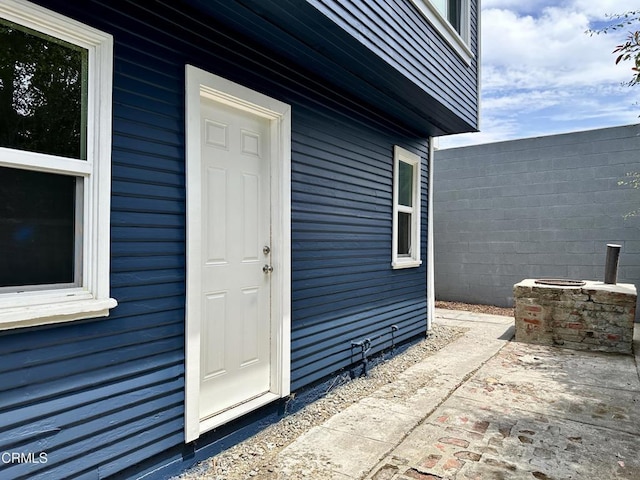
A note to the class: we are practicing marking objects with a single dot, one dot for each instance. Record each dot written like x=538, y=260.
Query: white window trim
x=91, y=299
x=401, y=154
x=459, y=42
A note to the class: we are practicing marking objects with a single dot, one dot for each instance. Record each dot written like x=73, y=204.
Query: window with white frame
x=55, y=167
x=451, y=19
x=406, y=209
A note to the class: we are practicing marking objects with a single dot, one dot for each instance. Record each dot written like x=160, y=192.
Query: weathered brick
x=501, y=464
x=458, y=442
x=596, y=317
x=480, y=427
x=467, y=455
x=453, y=464
x=431, y=461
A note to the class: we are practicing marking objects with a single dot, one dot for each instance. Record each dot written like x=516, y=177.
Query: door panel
x=235, y=340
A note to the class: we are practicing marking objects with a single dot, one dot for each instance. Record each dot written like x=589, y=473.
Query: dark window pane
x=455, y=14
x=405, y=184
x=42, y=93
x=404, y=233
x=37, y=228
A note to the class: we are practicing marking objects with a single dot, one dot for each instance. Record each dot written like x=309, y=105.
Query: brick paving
x=529, y=413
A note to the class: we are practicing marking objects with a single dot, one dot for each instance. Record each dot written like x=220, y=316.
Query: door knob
x=266, y=249
x=267, y=269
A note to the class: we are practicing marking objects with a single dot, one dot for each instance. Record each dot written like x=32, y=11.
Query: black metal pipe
x=611, y=264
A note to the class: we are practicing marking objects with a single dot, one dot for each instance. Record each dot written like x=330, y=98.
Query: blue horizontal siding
x=395, y=31
x=102, y=396
x=344, y=288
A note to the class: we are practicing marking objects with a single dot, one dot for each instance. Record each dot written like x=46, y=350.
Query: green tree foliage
x=41, y=93
x=628, y=51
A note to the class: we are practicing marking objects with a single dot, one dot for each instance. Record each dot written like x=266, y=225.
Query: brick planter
x=595, y=316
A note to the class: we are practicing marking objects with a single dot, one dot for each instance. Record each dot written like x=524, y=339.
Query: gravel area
x=490, y=309
x=256, y=457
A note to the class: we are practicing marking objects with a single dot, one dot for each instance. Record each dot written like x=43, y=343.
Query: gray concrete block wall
x=534, y=208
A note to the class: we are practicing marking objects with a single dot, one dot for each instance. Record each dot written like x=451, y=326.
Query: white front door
x=236, y=266
x=237, y=322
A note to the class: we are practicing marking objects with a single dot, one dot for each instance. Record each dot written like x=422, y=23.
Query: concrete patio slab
x=485, y=408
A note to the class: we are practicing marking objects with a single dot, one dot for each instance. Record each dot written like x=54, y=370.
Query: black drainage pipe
x=611, y=265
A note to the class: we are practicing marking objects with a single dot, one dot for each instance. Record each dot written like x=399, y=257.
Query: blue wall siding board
x=143, y=104
x=146, y=246
x=123, y=159
x=154, y=381
x=60, y=370
x=323, y=331
x=144, y=183
x=130, y=143
x=147, y=277
x=399, y=40
x=146, y=263
x=132, y=232
x=140, y=292
x=365, y=320
x=147, y=133
x=77, y=452
x=87, y=346
x=147, y=205
x=147, y=219
x=312, y=368
x=88, y=421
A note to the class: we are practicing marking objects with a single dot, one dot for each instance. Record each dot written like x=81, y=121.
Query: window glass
x=441, y=5
x=405, y=184
x=37, y=228
x=43, y=93
x=454, y=15
x=404, y=233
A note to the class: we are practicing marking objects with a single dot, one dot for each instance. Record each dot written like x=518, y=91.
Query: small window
x=451, y=19
x=406, y=209
x=55, y=149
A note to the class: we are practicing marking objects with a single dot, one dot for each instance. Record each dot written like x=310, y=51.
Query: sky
x=541, y=74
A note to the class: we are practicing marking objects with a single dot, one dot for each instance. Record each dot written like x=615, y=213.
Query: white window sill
x=406, y=264
x=55, y=312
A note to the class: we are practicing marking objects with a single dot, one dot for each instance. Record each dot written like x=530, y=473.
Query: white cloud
x=551, y=49
x=542, y=74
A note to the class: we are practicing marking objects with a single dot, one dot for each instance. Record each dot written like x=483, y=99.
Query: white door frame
x=201, y=83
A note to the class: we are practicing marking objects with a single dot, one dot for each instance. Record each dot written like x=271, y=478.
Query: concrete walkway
x=485, y=408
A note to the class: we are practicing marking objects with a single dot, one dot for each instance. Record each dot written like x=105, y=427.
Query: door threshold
x=232, y=413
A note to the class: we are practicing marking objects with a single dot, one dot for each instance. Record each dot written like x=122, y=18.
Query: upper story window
x=451, y=19
x=55, y=167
